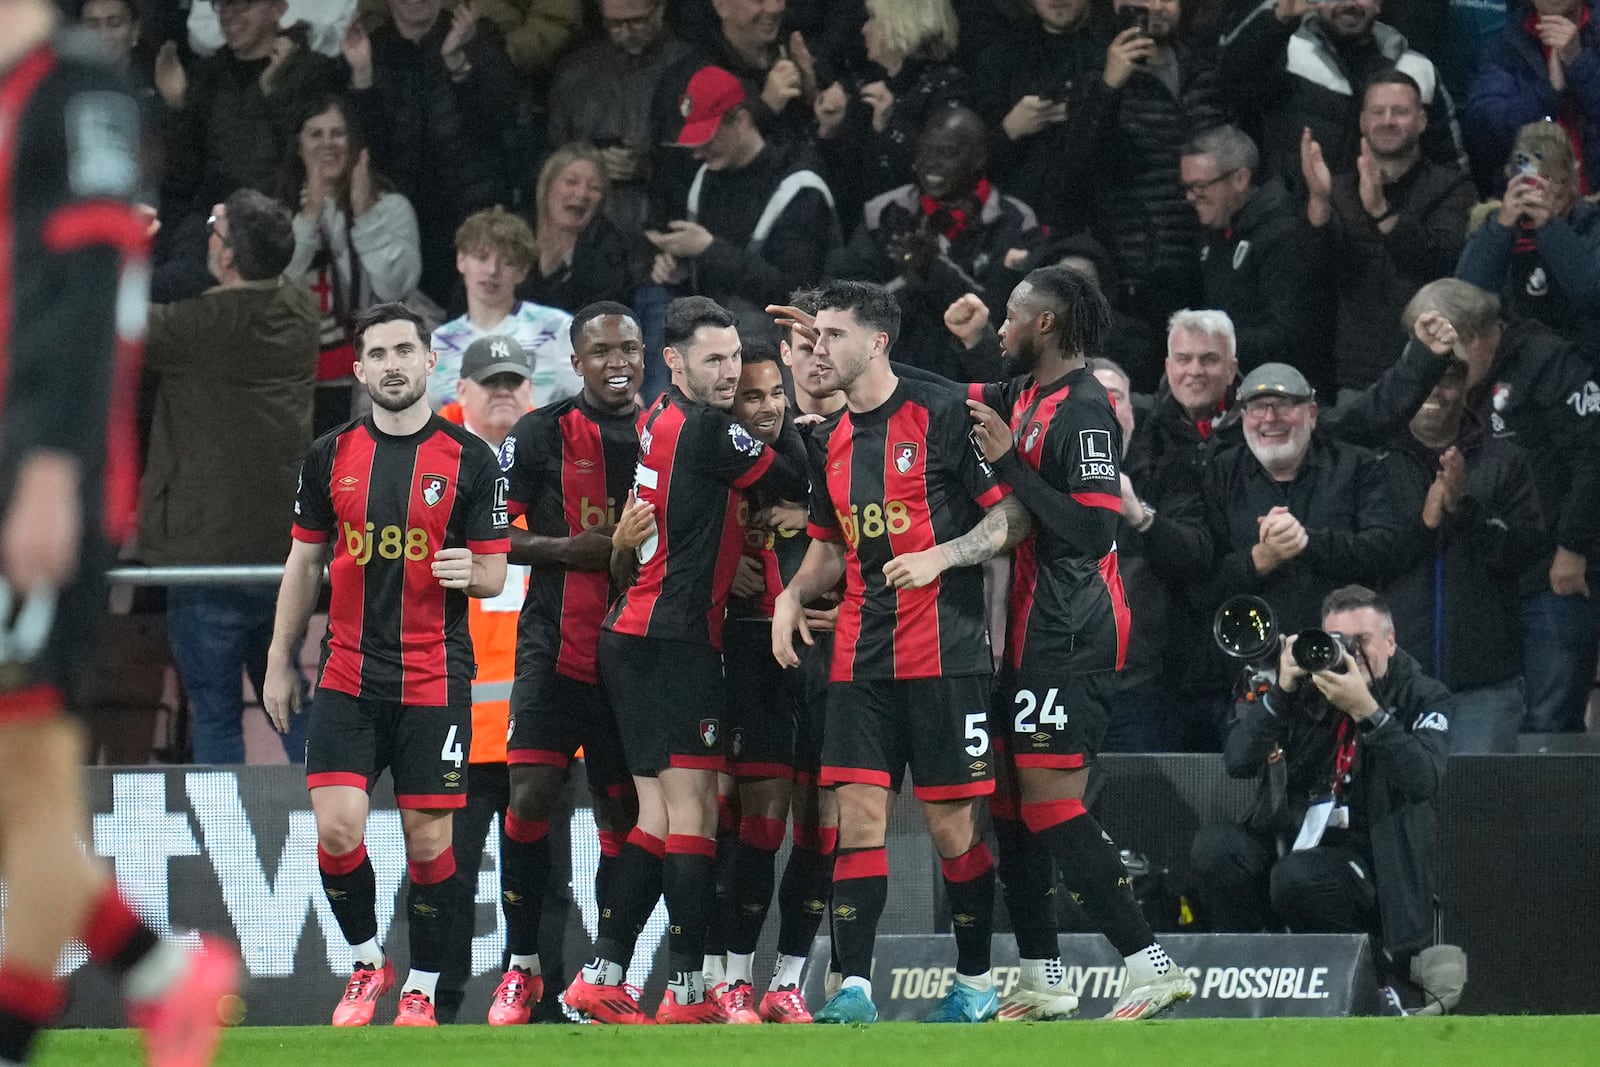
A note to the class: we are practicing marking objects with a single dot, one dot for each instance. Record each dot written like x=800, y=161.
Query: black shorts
x=763, y=714
x=552, y=716
x=49, y=647
x=940, y=726
x=669, y=697
x=351, y=740
x=1053, y=720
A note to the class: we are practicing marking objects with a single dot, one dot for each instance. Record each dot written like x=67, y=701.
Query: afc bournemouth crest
x=433, y=488
x=1033, y=437
x=905, y=456
x=709, y=732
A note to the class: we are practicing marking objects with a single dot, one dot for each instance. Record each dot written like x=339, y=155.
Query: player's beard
x=1024, y=359
x=404, y=400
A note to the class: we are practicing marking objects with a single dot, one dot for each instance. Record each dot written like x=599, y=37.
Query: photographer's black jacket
x=1393, y=789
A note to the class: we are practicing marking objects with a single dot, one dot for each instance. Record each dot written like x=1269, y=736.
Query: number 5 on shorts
x=977, y=732
x=451, y=752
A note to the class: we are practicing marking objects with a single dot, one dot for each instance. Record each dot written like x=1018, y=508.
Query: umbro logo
x=977, y=766
x=347, y=484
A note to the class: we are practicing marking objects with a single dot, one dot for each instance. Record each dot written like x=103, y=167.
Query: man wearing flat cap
x=1296, y=513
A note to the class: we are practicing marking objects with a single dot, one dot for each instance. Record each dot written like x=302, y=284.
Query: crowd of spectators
x=1282, y=187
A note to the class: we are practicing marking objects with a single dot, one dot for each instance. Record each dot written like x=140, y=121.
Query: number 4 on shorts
x=451, y=752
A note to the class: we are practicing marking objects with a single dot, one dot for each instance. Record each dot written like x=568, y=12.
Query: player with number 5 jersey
x=903, y=508
x=412, y=511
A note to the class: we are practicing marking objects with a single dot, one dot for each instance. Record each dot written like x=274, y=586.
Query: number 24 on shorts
x=1050, y=713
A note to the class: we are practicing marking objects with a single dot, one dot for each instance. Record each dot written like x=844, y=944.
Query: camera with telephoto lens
x=1323, y=650
x=1245, y=629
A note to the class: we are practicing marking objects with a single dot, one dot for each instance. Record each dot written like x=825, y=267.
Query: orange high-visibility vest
x=492, y=622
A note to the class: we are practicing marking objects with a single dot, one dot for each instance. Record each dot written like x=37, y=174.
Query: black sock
x=430, y=904
x=1028, y=879
x=635, y=887
x=720, y=921
x=524, y=879
x=754, y=875
x=803, y=897
x=352, y=891
x=969, y=883
x=686, y=883
x=1093, y=870
x=29, y=1002
x=860, y=889
x=611, y=842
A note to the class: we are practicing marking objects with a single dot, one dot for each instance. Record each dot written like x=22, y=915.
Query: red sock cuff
x=1003, y=806
x=976, y=862
x=434, y=871
x=647, y=841
x=760, y=833
x=827, y=840
x=330, y=863
x=111, y=925
x=526, y=831
x=805, y=836
x=1043, y=814
x=691, y=845
x=861, y=863
x=34, y=997
x=611, y=842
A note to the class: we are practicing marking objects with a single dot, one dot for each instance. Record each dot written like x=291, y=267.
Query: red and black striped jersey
x=569, y=466
x=779, y=553
x=73, y=275
x=904, y=478
x=1067, y=610
x=388, y=504
x=693, y=461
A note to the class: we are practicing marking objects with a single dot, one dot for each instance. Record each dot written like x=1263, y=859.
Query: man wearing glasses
x=1252, y=253
x=1295, y=512
x=602, y=94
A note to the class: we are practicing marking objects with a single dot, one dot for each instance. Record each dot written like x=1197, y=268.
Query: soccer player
x=776, y=731
x=661, y=645
x=569, y=466
x=904, y=508
x=72, y=256
x=1053, y=436
x=412, y=510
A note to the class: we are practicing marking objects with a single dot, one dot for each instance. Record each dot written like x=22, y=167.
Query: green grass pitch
x=1541, y=1041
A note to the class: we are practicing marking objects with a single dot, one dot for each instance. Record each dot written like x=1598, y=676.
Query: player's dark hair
x=378, y=314
x=1393, y=76
x=260, y=233
x=872, y=305
x=757, y=350
x=1355, y=598
x=687, y=314
x=1082, y=315
x=597, y=310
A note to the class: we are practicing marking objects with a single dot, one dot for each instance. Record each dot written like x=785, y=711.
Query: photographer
x=1349, y=760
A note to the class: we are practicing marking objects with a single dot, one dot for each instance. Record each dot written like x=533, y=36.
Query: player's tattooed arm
x=1002, y=528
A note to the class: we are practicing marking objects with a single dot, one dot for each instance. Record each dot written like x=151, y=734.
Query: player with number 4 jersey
x=412, y=511
x=1053, y=435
